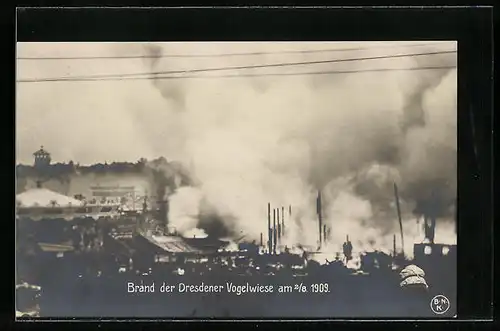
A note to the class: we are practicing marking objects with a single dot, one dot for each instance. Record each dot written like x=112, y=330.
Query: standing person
x=75, y=237
x=92, y=236
x=347, y=249
x=86, y=238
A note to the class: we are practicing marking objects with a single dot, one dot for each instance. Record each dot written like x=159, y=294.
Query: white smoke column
x=253, y=146
x=254, y=143
x=352, y=217
x=241, y=169
x=350, y=214
x=184, y=210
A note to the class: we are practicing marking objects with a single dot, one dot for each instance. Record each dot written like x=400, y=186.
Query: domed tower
x=42, y=158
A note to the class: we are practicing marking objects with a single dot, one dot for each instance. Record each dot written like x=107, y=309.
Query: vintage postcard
x=236, y=179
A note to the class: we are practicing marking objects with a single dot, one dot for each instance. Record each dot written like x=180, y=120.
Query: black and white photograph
x=236, y=179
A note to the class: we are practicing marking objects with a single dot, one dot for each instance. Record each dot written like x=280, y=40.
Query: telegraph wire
x=286, y=64
x=243, y=76
x=124, y=57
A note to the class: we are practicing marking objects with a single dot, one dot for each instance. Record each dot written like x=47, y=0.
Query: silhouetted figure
x=429, y=227
x=347, y=249
x=86, y=239
x=75, y=237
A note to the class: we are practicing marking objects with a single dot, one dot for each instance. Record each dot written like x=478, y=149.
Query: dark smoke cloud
x=213, y=224
x=414, y=114
x=173, y=92
x=249, y=143
x=366, y=142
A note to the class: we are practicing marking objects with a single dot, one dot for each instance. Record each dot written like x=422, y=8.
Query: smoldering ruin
x=350, y=135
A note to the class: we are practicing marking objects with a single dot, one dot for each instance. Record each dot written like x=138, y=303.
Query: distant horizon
x=54, y=162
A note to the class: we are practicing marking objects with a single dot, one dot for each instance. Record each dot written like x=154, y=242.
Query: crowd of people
x=97, y=260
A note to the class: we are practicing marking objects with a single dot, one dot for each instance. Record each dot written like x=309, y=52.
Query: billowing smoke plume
x=167, y=178
x=185, y=209
x=172, y=92
x=279, y=139
x=414, y=112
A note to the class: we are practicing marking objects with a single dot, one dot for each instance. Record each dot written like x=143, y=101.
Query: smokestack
x=399, y=217
x=279, y=227
x=320, y=219
x=394, y=246
x=430, y=218
x=261, y=240
x=324, y=233
x=269, y=233
x=279, y=231
x=274, y=231
x=282, y=221
x=430, y=227
x=432, y=212
x=289, y=217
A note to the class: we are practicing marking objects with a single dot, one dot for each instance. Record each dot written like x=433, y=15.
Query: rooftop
x=41, y=152
x=41, y=197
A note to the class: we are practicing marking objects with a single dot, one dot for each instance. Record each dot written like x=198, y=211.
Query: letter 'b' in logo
x=440, y=304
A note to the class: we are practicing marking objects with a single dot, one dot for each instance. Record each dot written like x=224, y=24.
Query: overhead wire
x=331, y=72
x=154, y=75
x=151, y=56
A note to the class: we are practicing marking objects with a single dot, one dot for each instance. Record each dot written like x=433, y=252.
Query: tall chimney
x=261, y=240
x=398, y=209
x=269, y=231
x=274, y=231
x=320, y=219
x=394, y=245
x=431, y=228
x=432, y=211
x=430, y=220
x=282, y=221
x=278, y=241
x=324, y=233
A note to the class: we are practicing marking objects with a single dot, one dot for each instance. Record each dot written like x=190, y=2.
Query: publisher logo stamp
x=440, y=304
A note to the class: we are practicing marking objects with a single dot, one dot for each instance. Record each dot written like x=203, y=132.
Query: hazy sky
x=124, y=120
x=254, y=139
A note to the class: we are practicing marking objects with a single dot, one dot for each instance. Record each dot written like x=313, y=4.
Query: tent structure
x=42, y=203
x=41, y=197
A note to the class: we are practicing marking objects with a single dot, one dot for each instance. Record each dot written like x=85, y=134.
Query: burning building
x=123, y=182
